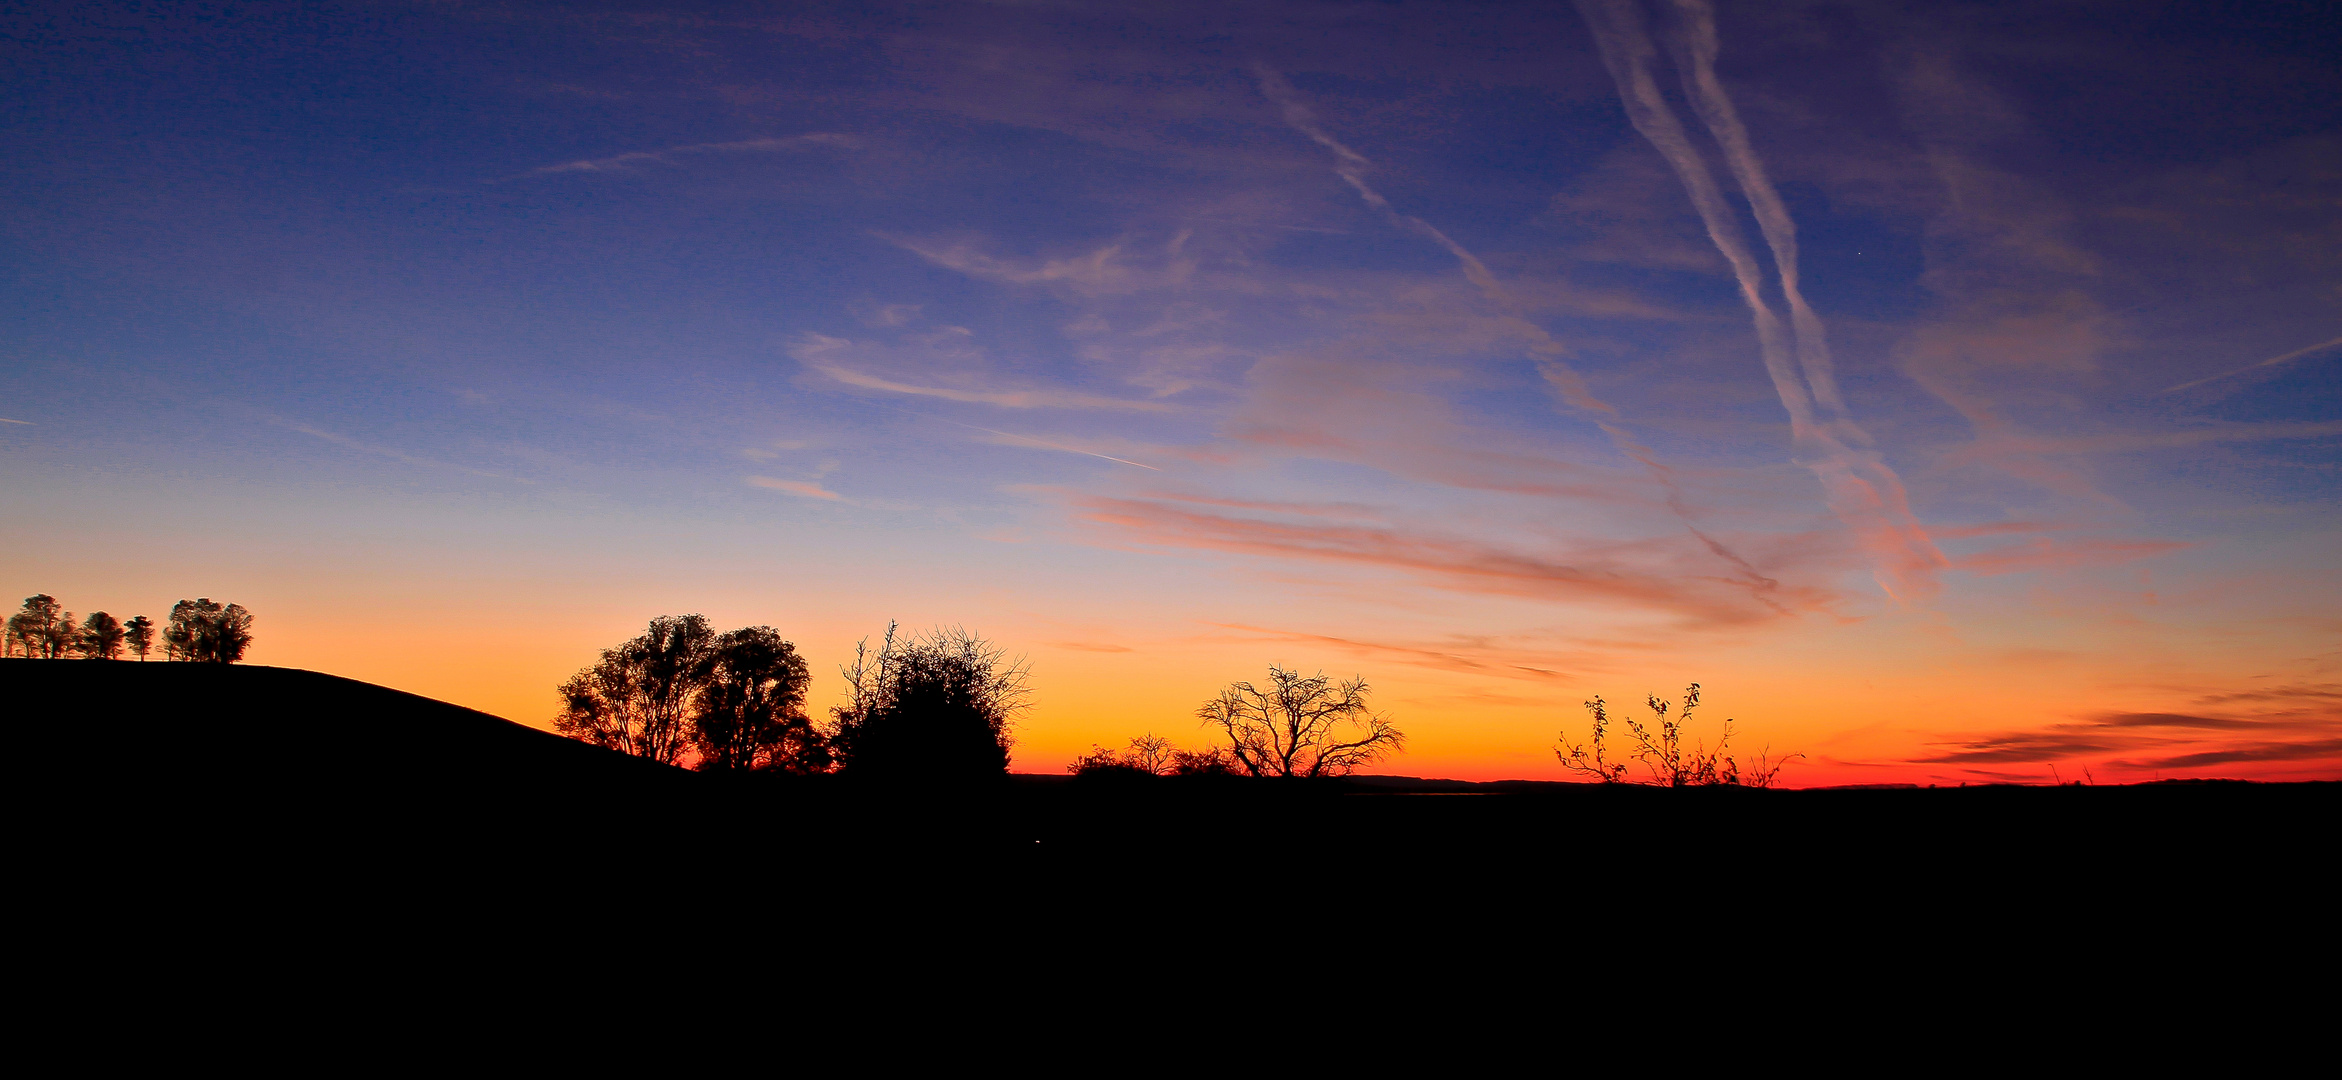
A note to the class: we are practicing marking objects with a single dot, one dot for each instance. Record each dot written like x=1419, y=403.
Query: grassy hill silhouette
x=223, y=733
x=290, y=761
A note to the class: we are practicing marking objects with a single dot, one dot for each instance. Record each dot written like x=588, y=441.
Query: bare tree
x=139, y=634
x=100, y=637
x=638, y=698
x=1301, y=725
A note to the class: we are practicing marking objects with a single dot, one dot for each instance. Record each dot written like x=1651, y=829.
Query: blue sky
x=1372, y=336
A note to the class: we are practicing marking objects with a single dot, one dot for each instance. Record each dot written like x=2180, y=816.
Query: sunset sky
x=1953, y=390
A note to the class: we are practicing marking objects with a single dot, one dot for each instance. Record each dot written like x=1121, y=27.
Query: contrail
x=1861, y=489
x=1351, y=166
x=1695, y=60
x=1030, y=439
x=2270, y=362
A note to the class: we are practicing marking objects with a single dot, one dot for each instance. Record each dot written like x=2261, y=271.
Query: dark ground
x=194, y=771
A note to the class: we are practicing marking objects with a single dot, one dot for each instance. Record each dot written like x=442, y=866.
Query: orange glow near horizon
x=1955, y=400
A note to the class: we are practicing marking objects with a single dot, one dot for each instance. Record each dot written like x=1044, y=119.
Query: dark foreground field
x=204, y=768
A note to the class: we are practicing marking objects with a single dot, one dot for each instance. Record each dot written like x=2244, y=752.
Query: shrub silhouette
x=936, y=708
x=1148, y=755
x=1661, y=750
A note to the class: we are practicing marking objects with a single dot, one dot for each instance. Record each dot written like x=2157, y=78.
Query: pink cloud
x=1659, y=575
x=2043, y=553
x=800, y=488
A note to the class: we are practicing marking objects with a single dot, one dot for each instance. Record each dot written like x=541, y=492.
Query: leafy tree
x=1301, y=725
x=205, y=631
x=938, y=707
x=751, y=711
x=28, y=626
x=100, y=637
x=43, y=628
x=139, y=634
x=639, y=698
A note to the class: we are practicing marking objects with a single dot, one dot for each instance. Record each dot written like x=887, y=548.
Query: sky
x=1953, y=390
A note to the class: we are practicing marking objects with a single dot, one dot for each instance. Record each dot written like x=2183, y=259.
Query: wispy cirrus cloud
x=1477, y=656
x=1101, y=270
x=803, y=489
x=669, y=155
x=2274, y=361
x=392, y=453
x=2043, y=553
x=1663, y=576
x=825, y=355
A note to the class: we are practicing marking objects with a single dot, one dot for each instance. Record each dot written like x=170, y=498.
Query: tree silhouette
x=100, y=637
x=639, y=697
x=1301, y=726
x=205, y=631
x=751, y=712
x=934, y=708
x=139, y=634
x=1148, y=755
x=43, y=628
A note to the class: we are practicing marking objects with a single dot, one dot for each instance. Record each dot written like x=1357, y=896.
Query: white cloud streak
x=1861, y=489
x=666, y=156
x=2268, y=363
x=395, y=455
x=801, y=488
x=1351, y=166
x=813, y=353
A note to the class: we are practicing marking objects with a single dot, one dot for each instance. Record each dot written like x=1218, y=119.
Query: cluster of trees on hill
x=199, y=630
x=937, y=706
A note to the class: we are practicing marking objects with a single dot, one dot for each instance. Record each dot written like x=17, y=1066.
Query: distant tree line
x=201, y=630
x=942, y=706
